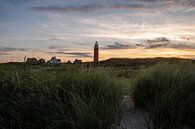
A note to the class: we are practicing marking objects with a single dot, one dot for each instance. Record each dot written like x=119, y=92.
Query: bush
x=167, y=92
x=39, y=99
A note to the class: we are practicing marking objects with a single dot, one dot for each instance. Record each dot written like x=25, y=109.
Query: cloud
x=163, y=42
x=71, y=8
x=117, y=45
x=188, y=38
x=80, y=44
x=87, y=8
x=12, y=49
x=4, y=53
x=190, y=3
x=159, y=39
x=171, y=3
x=148, y=0
x=59, y=47
x=181, y=46
x=127, y=6
x=154, y=43
x=79, y=54
x=73, y=54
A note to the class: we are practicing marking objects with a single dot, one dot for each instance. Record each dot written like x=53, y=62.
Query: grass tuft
x=167, y=92
x=33, y=98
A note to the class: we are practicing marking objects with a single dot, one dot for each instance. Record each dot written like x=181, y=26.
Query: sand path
x=132, y=118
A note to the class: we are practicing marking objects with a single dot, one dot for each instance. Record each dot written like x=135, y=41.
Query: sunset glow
x=123, y=28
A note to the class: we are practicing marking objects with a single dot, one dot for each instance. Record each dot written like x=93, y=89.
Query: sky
x=68, y=29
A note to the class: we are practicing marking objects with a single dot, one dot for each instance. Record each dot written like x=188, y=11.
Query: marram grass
x=66, y=99
x=167, y=92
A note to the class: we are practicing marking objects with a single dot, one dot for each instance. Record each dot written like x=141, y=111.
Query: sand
x=132, y=118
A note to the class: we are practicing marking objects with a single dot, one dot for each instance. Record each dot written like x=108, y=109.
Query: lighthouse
x=96, y=53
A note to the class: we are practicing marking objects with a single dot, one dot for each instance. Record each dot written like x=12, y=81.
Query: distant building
x=24, y=58
x=69, y=62
x=32, y=61
x=42, y=61
x=35, y=61
x=54, y=60
x=96, y=53
x=77, y=61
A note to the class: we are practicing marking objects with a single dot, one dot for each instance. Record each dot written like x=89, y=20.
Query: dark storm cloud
x=117, y=45
x=12, y=49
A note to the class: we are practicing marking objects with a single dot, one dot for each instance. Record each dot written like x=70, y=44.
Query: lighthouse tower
x=96, y=53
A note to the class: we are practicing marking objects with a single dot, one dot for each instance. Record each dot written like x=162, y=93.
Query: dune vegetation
x=76, y=97
x=34, y=98
x=167, y=92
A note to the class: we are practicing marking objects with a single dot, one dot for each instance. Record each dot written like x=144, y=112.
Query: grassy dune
x=167, y=92
x=75, y=97
x=34, y=98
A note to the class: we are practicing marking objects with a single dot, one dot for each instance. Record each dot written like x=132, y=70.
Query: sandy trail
x=135, y=119
x=132, y=118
